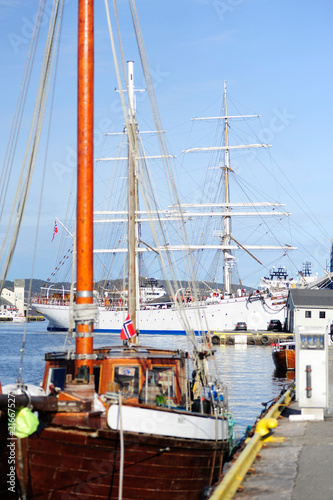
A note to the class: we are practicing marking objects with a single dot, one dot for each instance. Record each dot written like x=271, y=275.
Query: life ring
x=230, y=341
x=251, y=341
x=264, y=340
x=216, y=340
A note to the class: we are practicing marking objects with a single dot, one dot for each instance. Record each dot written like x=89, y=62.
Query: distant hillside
x=117, y=284
x=35, y=285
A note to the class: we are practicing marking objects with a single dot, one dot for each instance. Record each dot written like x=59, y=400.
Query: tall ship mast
x=133, y=268
x=227, y=258
x=228, y=242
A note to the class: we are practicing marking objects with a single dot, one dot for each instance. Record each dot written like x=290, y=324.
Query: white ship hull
x=215, y=317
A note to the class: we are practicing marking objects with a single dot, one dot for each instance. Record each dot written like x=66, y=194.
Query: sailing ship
x=114, y=422
x=160, y=316
x=220, y=310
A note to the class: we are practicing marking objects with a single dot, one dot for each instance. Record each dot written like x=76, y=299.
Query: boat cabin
x=142, y=375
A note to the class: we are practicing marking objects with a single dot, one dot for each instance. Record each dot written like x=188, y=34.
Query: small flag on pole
x=127, y=330
x=55, y=230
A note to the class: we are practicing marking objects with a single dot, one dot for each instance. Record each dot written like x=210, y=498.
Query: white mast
x=133, y=285
x=227, y=257
x=226, y=237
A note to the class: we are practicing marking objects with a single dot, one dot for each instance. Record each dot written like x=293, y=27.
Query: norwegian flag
x=55, y=230
x=127, y=331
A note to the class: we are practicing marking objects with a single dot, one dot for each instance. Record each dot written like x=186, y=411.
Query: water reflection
x=252, y=382
x=284, y=375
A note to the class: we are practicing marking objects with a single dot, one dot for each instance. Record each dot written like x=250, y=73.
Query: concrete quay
x=296, y=463
x=298, y=467
x=28, y=318
x=249, y=337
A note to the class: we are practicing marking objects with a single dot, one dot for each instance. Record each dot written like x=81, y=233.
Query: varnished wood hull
x=284, y=359
x=68, y=463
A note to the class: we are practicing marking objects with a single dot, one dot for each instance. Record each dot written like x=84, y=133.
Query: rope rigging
x=30, y=155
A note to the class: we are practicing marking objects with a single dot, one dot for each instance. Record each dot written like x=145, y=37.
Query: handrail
x=227, y=488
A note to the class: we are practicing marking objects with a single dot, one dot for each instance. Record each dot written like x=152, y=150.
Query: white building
x=309, y=308
x=14, y=298
x=19, y=295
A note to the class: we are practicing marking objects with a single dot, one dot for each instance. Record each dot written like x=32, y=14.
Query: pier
x=290, y=461
x=28, y=318
x=295, y=464
x=249, y=337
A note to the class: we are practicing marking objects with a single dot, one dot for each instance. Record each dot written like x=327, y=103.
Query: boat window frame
x=50, y=381
x=97, y=377
x=173, y=385
x=308, y=314
x=136, y=377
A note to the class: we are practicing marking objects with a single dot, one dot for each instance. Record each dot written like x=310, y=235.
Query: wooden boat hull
x=85, y=463
x=284, y=359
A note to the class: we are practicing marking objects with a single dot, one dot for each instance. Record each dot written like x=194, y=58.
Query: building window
x=322, y=314
x=308, y=314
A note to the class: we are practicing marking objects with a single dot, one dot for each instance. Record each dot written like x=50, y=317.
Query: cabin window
x=159, y=387
x=322, y=314
x=97, y=372
x=308, y=314
x=163, y=377
x=57, y=377
x=128, y=379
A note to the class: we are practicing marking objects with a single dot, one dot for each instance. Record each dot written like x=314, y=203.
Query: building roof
x=5, y=302
x=302, y=297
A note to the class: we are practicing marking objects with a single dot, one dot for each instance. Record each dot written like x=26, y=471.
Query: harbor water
x=248, y=370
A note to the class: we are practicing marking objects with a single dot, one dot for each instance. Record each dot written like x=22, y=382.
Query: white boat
x=220, y=310
x=12, y=314
x=255, y=310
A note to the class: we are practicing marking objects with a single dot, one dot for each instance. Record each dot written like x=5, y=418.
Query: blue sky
x=276, y=57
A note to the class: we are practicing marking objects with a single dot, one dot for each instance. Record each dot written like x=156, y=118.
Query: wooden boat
x=149, y=439
x=114, y=422
x=283, y=355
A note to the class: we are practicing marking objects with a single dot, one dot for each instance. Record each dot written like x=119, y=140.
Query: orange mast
x=83, y=313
